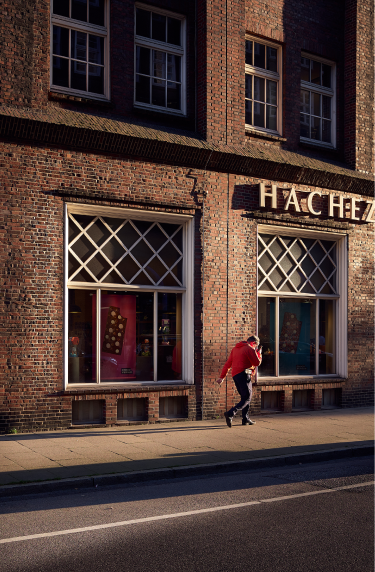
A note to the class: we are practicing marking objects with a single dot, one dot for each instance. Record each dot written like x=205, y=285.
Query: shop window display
x=297, y=331
x=124, y=319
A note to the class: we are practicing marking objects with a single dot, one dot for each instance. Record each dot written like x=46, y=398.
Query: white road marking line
x=178, y=514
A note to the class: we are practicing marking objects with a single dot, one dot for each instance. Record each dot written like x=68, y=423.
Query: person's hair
x=253, y=339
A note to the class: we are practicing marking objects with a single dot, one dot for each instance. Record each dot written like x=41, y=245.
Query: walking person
x=243, y=360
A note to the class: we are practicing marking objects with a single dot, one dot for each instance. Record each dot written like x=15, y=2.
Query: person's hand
x=219, y=381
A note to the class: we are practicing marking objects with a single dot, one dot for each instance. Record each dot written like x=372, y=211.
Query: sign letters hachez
x=337, y=204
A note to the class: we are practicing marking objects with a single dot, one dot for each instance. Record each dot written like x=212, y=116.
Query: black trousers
x=245, y=389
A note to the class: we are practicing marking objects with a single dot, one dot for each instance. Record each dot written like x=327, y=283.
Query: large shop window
x=79, y=47
x=129, y=298
x=301, y=303
x=159, y=60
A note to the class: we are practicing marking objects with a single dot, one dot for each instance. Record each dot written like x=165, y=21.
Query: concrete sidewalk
x=83, y=457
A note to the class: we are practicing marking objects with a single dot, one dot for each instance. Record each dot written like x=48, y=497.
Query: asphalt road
x=316, y=517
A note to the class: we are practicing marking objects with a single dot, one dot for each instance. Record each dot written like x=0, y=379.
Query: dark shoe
x=248, y=422
x=228, y=419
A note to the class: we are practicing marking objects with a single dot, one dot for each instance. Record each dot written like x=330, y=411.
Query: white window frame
x=168, y=49
x=78, y=26
x=341, y=309
x=330, y=92
x=187, y=292
x=277, y=77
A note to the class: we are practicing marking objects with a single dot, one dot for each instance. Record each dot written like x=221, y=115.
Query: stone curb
x=7, y=491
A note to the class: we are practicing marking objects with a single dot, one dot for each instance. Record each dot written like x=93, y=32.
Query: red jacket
x=241, y=357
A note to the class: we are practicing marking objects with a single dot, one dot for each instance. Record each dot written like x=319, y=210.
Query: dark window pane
x=248, y=112
x=305, y=101
x=142, y=252
x=113, y=250
x=61, y=7
x=259, y=114
x=315, y=128
x=143, y=60
x=142, y=89
x=96, y=79
x=143, y=23
x=326, y=107
x=78, y=76
x=81, y=336
x=83, y=248
x=158, y=64
x=248, y=86
x=169, y=336
x=60, y=41
x=96, y=50
x=326, y=336
x=98, y=266
x=79, y=10
x=326, y=75
x=271, y=118
x=259, y=88
x=259, y=55
x=316, y=68
x=174, y=31
x=60, y=72
x=297, y=337
x=326, y=131
x=305, y=69
x=158, y=27
x=271, y=59
x=173, y=95
x=304, y=125
x=96, y=12
x=173, y=67
x=315, y=104
x=156, y=237
x=158, y=92
x=272, y=92
x=79, y=45
x=266, y=332
x=249, y=52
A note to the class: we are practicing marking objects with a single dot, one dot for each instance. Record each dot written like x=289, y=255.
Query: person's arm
x=224, y=371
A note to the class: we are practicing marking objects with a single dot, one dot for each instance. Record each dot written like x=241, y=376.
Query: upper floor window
x=317, y=117
x=79, y=47
x=159, y=60
x=263, y=86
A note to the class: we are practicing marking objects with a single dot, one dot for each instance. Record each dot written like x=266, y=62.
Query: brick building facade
x=175, y=177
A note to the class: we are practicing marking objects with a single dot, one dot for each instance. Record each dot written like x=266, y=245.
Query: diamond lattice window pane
x=156, y=237
x=317, y=280
x=317, y=253
x=266, y=238
x=141, y=252
x=156, y=269
x=142, y=279
x=327, y=289
x=267, y=286
x=169, y=228
x=169, y=255
x=308, y=289
x=308, y=242
x=298, y=251
x=177, y=271
x=83, y=220
x=332, y=282
x=177, y=239
x=287, y=263
x=277, y=278
x=113, y=223
x=128, y=235
x=83, y=248
x=308, y=266
x=98, y=232
x=277, y=248
x=287, y=287
x=73, y=264
x=114, y=278
x=169, y=280
x=297, y=278
x=142, y=225
x=113, y=250
x=327, y=267
x=74, y=231
x=83, y=276
x=98, y=266
x=128, y=268
x=266, y=262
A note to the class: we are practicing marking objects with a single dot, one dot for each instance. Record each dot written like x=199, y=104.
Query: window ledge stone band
x=264, y=135
x=299, y=380
x=120, y=389
x=56, y=96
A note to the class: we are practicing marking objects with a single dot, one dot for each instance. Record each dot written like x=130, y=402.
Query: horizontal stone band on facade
x=101, y=134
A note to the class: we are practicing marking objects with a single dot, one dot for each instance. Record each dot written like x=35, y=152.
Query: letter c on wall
x=310, y=200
